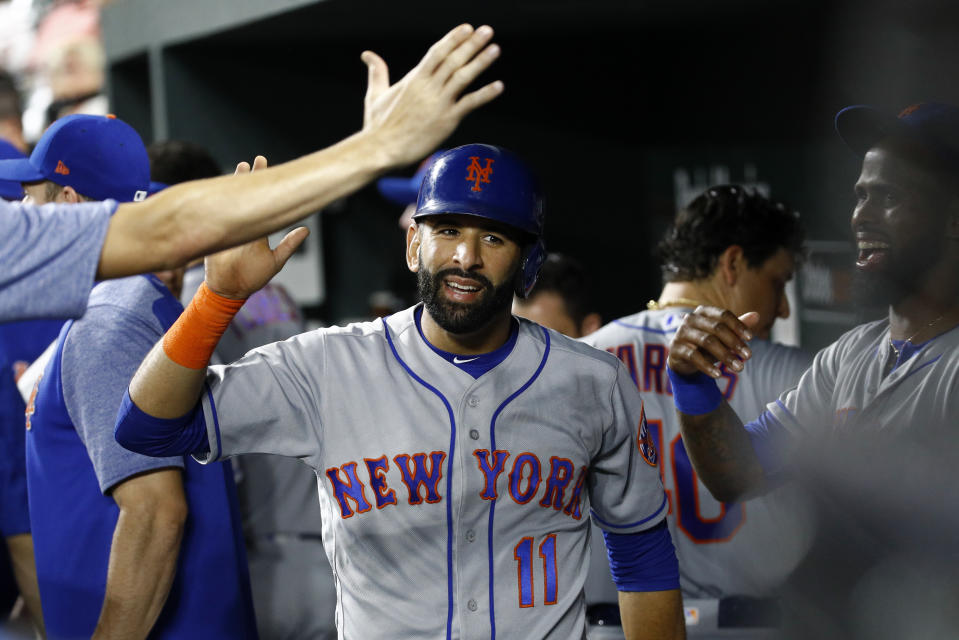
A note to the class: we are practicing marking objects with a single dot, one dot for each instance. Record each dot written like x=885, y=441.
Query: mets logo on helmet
x=478, y=174
x=645, y=441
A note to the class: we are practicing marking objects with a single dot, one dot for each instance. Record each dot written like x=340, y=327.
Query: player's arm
x=715, y=438
x=143, y=554
x=402, y=123
x=646, y=572
x=169, y=381
x=25, y=573
x=652, y=615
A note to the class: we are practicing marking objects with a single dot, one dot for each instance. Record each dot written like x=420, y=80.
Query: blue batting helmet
x=493, y=183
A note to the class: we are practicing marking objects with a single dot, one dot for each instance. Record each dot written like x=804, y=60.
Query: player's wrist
x=191, y=340
x=375, y=149
x=221, y=293
x=695, y=394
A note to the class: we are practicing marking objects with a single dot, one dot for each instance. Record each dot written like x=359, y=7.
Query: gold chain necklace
x=653, y=305
x=909, y=339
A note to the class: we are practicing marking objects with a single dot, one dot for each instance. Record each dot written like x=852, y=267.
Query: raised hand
x=240, y=272
x=417, y=113
x=710, y=335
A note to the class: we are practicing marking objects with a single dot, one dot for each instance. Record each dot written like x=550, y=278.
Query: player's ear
x=731, y=263
x=413, y=247
x=68, y=194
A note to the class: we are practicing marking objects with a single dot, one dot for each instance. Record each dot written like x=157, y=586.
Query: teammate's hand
x=413, y=116
x=242, y=271
x=708, y=336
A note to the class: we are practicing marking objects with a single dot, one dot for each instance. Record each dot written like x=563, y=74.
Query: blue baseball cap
x=932, y=124
x=403, y=191
x=10, y=189
x=101, y=157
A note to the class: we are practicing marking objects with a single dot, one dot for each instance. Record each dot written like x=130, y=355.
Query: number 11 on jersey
x=523, y=554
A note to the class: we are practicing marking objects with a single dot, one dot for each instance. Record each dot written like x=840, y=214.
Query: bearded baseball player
x=460, y=451
x=736, y=249
x=882, y=396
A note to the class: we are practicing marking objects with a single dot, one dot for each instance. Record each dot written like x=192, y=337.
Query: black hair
x=723, y=216
x=176, y=161
x=568, y=279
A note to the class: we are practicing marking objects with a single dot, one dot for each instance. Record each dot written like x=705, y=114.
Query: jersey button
x=474, y=434
x=473, y=401
x=471, y=605
x=470, y=535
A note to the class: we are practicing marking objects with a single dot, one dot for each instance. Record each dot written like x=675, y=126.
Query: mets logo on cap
x=644, y=441
x=479, y=174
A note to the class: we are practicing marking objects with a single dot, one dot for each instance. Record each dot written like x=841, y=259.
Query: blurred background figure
x=293, y=592
x=403, y=191
x=69, y=65
x=55, y=52
x=11, y=111
x=562, y=298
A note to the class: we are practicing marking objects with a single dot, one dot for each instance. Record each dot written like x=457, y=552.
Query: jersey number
x=692, y=523
x=523, y=554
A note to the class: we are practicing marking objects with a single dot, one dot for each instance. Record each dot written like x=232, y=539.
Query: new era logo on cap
x=100, y=157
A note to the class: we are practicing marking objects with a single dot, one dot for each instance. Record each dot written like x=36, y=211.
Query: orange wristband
x=193, y=337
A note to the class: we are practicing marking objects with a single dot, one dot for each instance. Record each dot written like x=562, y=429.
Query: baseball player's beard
x=458, y=317
x=900, y=277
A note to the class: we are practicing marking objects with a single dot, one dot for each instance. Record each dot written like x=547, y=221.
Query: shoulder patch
x=644, y=441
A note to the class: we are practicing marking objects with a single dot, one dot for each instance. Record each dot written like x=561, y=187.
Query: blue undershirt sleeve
x=160, y=437
x=643, y=561
x=770, y=441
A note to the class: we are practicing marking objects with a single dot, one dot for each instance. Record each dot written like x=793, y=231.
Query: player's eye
x=891, y=198
x=493, y=239
x=860, y=194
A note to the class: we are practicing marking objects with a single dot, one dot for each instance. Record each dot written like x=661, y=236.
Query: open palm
x=240, y=272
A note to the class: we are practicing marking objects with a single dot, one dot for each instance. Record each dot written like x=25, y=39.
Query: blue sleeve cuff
x=770, y=441
x=644, y=561
x=160, y=437
x=695, y=395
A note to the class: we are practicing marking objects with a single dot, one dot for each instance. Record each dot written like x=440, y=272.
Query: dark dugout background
x=615, y=103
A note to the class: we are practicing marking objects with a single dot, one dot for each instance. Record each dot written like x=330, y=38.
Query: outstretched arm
x=402, y=123
x=718, y=445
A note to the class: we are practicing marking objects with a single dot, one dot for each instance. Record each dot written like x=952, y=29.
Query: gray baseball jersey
x=276, y=494
x=49, y=255
x=847, y=388
x=452, y=507
x=723, y=549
